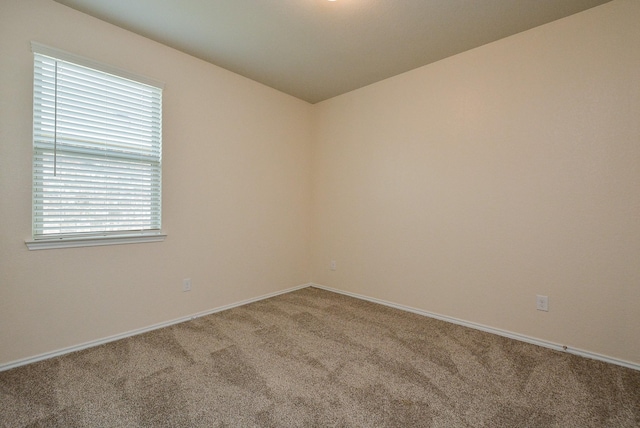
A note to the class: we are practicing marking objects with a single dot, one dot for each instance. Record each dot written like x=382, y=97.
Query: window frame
x=80, y=239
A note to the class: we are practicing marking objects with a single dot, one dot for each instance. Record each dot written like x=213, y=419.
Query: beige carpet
x=312, y=358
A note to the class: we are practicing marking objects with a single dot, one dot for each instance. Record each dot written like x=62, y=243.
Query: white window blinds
x=97, y=159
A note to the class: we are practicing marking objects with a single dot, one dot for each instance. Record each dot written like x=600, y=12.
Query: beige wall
x=468, y=186
x=236, y=194
x=462, y=188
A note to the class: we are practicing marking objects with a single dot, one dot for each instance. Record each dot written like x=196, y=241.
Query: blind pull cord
x=55, y=124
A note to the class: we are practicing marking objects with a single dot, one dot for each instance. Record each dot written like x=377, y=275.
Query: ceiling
x=317, y=49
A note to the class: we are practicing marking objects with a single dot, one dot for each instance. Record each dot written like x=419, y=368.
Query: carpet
x=312, y=358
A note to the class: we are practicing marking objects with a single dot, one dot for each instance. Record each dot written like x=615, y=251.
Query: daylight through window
x=97, y=161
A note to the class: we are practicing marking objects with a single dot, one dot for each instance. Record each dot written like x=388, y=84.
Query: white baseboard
x=499, y=332
x=63, y=351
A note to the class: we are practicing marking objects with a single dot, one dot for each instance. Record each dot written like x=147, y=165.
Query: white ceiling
x=317, y=49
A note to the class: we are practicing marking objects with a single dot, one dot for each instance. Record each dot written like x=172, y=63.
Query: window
x=97, y=153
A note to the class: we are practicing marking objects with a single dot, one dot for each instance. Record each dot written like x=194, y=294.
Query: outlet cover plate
x=542, y=303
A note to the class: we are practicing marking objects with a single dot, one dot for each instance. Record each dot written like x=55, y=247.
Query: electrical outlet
x=333, y=265
x=542, y=303
x=186, y=284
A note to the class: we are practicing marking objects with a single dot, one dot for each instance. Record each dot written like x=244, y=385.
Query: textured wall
x=468, y=186
x=236, y=194
x=463, y=188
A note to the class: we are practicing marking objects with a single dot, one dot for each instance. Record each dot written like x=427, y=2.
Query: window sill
x=94, y=241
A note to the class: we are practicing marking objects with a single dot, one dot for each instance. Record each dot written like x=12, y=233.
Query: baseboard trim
x=481, y=327
x=90, y=344
x=487, y=329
